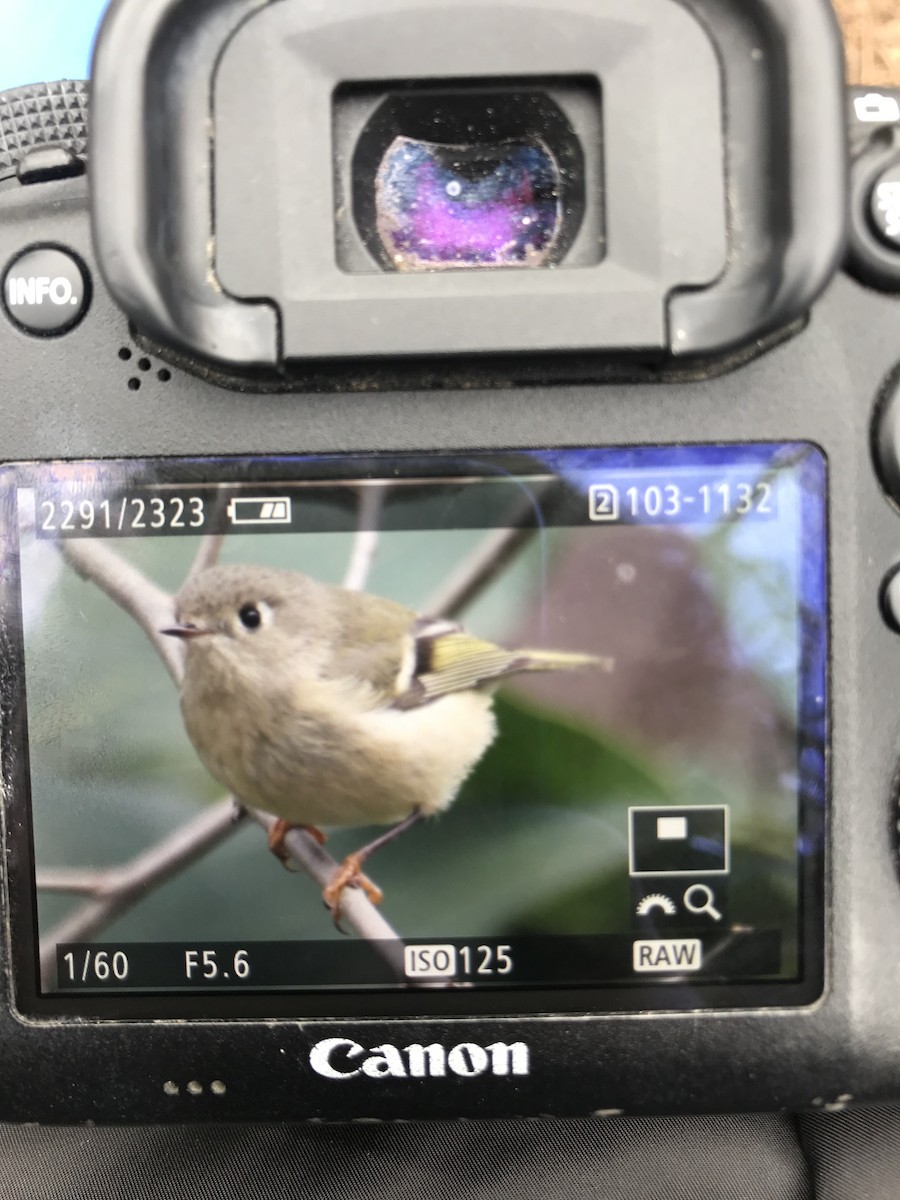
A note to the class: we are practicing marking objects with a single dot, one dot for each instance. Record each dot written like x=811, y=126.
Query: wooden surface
x=872, y=38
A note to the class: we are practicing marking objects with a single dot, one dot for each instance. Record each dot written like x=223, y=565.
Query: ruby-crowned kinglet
x=331, y=707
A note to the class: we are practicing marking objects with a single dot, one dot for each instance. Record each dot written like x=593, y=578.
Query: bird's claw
x=349, y=874
x=279, y=831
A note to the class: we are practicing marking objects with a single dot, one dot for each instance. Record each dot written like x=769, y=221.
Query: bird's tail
x=444, y=658
x=555, y=660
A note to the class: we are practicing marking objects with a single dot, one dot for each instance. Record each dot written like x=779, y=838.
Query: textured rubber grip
x=42, y=114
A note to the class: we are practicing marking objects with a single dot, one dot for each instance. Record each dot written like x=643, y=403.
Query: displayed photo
x=494, y=723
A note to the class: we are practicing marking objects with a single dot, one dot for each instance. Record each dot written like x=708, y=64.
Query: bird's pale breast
x=322, y=753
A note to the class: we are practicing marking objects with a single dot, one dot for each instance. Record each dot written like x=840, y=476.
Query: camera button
x=890, y=599
x=44, y=163
x=46, y=291
x=884, y=206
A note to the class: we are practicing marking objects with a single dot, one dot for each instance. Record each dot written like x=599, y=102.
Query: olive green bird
x=332, y=707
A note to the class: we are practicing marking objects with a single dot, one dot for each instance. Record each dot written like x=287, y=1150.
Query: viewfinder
x=468, y=178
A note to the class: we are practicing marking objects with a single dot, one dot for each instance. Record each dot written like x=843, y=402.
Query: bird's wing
x=442, y=658
x=408, y=661
x=373, y=634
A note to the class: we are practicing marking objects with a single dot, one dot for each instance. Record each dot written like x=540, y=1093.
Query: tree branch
x=208, y=553
x=476, y=572
x=356, y=908
x=118, y=889
x=210, y=547
x=151, y=607
x=70, y=879
x=365, y=543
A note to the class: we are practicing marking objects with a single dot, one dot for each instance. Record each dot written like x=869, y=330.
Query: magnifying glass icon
x=698, y=899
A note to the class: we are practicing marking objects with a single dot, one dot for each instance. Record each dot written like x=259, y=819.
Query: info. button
x=46, y=291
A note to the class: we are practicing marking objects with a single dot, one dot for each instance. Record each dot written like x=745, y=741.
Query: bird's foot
x=279, y=831
x=349, y=874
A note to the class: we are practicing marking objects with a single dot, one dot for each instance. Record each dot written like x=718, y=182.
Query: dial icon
x=656, y=901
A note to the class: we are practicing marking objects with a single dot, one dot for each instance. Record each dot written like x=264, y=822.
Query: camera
x=457, y=446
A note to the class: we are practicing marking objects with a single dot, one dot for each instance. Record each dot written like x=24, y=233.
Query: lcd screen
x=536, y=731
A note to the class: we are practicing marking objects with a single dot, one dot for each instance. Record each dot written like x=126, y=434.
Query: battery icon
x=260, y=510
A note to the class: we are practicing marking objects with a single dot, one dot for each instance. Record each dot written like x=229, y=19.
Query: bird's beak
x=186, y=631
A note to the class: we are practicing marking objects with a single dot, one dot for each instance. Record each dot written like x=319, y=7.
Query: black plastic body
x=103, y=391
x=876, y=148
x=723, y=175
x=70, y=397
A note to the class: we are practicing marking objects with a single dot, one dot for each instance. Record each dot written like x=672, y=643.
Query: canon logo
x=342, y=1058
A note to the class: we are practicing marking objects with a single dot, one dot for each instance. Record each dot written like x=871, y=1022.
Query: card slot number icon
x=603, y=502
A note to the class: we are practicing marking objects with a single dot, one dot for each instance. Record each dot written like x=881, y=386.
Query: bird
x=330, y=707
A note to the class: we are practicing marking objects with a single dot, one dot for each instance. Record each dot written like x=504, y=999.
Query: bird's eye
x=250, y=616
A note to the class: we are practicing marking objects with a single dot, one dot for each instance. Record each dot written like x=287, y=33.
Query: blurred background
x=872, y=40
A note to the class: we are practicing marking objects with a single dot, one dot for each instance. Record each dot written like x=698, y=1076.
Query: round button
x=890, y=599
x=886, y=438
x=884, y=206
x=46, y=291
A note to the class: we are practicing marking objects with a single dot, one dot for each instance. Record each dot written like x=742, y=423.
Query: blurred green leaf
x=544, y=756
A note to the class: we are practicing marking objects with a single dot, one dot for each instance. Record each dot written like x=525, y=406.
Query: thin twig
x=473, y=575
x=356, y=908
x=151, y=607
x=365, y=543
x=211, y=545
x=208, y=553
x=118, y=889
x=70, y=879
x=484, y=564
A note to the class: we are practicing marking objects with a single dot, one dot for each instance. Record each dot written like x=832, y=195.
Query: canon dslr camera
x=457, y=446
